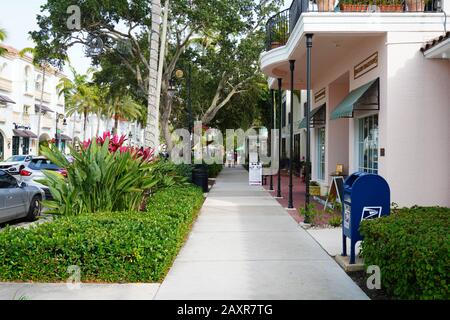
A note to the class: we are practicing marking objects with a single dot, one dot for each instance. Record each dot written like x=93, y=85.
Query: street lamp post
x=291, y=134
x=308, y=116
x=59, y=116
x=279, y=137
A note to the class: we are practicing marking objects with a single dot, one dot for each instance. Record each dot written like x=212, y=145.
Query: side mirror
x=21, y=184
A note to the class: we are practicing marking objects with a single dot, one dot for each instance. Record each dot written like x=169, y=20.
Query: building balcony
x=5, y=85
x=47, y=97
x=280, y=26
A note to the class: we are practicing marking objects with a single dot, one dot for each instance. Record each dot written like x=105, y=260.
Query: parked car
x=34, y=172
x=14, y=164
x=18, y=199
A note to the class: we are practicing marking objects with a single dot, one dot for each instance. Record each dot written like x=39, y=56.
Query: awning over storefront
x=43, y=108
x=24, y=133
x=358, y=100
x=5, y=99
x=317, y=117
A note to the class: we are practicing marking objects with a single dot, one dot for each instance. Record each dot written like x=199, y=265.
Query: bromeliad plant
x=104, y=176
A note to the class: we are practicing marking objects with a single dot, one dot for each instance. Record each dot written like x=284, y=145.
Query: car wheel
x=35, y=208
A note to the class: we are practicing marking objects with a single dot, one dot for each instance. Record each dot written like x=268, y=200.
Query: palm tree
x=123, y=107
x=80, y=95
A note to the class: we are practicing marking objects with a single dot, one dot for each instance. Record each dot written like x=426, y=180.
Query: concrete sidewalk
x=245, y=246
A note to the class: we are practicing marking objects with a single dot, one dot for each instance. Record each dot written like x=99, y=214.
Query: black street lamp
x=59, y=116
x=279, y=137
x=308, y=116
x=291, y=134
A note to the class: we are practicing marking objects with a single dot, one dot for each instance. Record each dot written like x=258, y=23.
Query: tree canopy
x=222, y=39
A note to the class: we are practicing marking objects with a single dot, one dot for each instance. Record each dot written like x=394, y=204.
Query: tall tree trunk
x=98, y=123
x=116, y=124
x=167, y=103
x=151, y=128
x=40, y=110
x=84, y=125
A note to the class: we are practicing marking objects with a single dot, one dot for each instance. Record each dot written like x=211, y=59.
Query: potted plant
x=391, y=6
x=325, y=5
x=314, y=188
x=346, y=5
x=279, y=33
x=354, y=5
x=415, y=5
x=361, y=6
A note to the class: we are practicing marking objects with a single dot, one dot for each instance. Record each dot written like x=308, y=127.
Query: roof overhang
x=439, y=51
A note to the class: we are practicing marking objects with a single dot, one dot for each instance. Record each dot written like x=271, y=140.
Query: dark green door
x=15, y=145
x=26, y=146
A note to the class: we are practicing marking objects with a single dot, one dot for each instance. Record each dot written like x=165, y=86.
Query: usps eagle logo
x=371, y=213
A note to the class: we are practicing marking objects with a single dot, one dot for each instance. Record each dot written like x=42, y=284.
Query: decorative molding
x=365, y=66
x=319, y=95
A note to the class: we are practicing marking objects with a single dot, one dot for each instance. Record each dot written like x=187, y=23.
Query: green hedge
x=412, y=249
x=214, y=170
x=108, y=247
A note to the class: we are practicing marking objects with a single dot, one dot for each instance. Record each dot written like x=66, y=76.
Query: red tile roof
x=432, y=43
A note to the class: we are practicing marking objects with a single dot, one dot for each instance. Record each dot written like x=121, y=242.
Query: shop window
x=27, y=79
x=368, y=144
x=321, y=153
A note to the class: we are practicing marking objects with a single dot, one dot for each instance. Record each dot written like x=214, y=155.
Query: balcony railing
x=280, y=26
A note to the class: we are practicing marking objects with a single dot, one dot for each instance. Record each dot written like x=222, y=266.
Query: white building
x=378, y=103
x=20, y=100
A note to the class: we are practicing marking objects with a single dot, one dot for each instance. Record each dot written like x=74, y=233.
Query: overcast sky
x=18, y=17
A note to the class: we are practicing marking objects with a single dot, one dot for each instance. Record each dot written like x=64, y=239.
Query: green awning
x=302, y=124
x=346, y=107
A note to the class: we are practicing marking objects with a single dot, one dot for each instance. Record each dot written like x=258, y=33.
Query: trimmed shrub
x=412, y=249
x=214, y=170
x=108, y=247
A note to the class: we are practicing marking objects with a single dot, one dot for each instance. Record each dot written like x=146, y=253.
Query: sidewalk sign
x=255, y=174
x=336, y=189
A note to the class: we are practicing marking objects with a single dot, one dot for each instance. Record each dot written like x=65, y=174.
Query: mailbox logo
x=371, y=213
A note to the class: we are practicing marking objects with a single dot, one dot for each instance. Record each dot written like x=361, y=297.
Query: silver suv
x=18, y=200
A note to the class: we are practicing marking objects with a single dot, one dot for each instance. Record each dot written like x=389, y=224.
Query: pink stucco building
x=380, y=99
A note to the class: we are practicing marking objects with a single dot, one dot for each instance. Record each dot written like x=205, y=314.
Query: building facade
x=378, y=104
x=21, y=98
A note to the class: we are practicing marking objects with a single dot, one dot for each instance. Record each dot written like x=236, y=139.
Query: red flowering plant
x=116, y=143
x=105, y=176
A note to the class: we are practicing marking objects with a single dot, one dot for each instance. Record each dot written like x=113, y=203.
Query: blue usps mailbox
x=366, y=196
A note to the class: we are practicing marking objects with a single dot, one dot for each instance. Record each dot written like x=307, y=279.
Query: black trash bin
x=200, y=176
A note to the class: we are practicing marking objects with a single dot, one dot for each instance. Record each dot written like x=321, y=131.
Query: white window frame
x=358, y=165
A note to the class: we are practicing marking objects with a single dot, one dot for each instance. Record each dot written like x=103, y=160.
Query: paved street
x=245, y=246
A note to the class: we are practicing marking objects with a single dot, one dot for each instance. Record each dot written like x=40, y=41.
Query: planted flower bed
x=118, y=247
